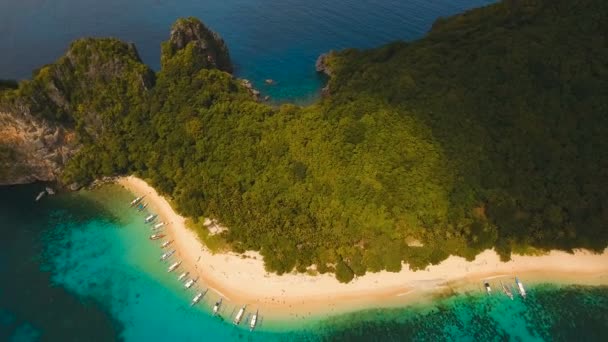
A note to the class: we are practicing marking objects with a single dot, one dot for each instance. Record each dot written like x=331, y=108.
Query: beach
x=242, y=279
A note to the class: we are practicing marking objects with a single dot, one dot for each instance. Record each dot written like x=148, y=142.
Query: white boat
x=190, y=282
x=156, y=236
x=42, y=193
x=506, y=290
x=166, y=255
x=142, y=207
x=159, y=225
x=166, y=243
x=198, y=297
x=520, y=287
x=488, y=288
x=50, y=190
x=216, y=307
x=254, y=321
x=136, y=200
x=150, y=218
x=174, y=266
x=239, y=315
x=182, y=276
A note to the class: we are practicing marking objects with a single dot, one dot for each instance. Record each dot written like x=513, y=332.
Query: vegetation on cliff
x=488, y=132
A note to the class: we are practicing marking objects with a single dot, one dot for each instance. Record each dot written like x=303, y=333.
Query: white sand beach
x=243, y=280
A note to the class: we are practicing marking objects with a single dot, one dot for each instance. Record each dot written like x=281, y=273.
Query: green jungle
x=489, y=132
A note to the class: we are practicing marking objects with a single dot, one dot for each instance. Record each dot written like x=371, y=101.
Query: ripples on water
x=272, y=39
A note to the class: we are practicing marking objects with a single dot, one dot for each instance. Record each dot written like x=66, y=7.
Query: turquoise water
x=272, y=39
x=79, y=267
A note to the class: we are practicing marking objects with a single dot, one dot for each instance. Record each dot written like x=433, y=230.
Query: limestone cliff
x=193, y=42
x=31, y=148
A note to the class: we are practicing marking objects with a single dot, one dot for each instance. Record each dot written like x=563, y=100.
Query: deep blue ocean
x=276, y=39
x=79, y=267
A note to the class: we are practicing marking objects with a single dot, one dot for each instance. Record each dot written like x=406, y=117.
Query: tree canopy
x=490, y=131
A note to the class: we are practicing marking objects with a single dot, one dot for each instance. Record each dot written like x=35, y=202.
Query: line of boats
x=157, y=235
x=507, y=289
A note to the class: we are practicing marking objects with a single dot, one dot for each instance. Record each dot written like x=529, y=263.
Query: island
x=480, y=143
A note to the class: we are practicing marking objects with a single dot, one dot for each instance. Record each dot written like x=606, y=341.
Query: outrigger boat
x=166, y=243
x=488, y=288
x=239, y=315
x=166, y=255
x=520, y=287
x=216, y=307
x=156, y=236
x=40, y=195
x=254, y=321
x=174, y=266
x=198, y=297
x=506, y=290
x=142, y=207
x=182, y=276
x=150, y=218
x=190, y=282
x=136, y=200
x=158, y=225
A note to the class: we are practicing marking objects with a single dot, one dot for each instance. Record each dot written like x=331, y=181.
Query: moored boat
x=166, y=255
x=506, y=290
x=42, y=193
x=166, y=243
x=198, y=297
x=520, y=287
x=239, y=315
x=150, y=218
x=182, y=276
x=488, y=288
x=174, y=266
x=216, y=307
x=142, y=207
x=158, y=225
x=254, y=321
x=190, y=282
x=156, y=236
x=50, y=190
x=136, y=200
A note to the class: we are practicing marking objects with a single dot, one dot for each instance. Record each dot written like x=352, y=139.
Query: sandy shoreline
x=244, y=280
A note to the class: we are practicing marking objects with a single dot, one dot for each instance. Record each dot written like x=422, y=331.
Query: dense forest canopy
x=488, y=132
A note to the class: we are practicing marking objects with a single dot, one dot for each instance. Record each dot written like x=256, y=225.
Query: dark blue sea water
x=276, y=39
x=78, y=267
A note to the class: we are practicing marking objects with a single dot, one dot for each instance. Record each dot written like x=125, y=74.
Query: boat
x=166, y=255
x=156, y=236
x=136, y=200
x=150, y=218
x=506, y=290
x=254, y=321
x=158, y=225
x=239, y=315
x=182, y=276
x=40, y=195
x=190, y=282
x=216, y=307
x=488, y=288
x=142, y=207
x=174, y=266
x=166, y=243
x=520, y=287
x=198, y=297
x=50, y=190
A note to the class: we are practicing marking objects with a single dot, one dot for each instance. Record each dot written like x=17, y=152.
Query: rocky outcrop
x=32, y=149
x=205, y=48
x=322, y=66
